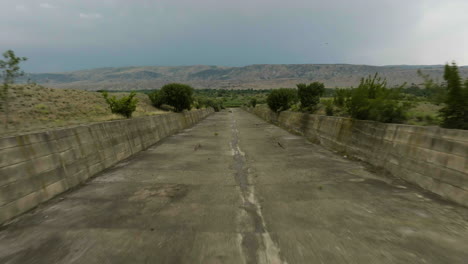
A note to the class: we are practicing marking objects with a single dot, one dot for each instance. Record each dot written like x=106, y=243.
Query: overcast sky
x=64, y=35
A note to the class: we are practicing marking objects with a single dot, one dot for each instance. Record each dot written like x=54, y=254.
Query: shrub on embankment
x=215, y=103
x=124, y=105
x=281, y=99
x=372, y=100
x=177, y=95
x=309, y=95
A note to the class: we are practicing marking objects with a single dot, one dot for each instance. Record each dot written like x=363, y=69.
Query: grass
x=424, y=114
x=34, y=107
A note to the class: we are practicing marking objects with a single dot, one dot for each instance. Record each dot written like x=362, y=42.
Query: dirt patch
x=173, y=192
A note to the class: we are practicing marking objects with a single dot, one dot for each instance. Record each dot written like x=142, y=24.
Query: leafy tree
x=178, y=95
x=455, y=112
x=357, y=104
x=10, y=70
x=281, y=99
x=125, y=106
x=309, y=95
x=372, y=100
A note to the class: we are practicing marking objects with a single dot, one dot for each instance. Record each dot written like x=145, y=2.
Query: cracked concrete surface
x=234, y=189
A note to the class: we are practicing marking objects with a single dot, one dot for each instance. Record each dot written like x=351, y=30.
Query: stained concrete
x=434, y=158
x=36, y=167
x=235, y=189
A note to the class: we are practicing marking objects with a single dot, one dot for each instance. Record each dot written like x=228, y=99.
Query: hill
x=253, y=76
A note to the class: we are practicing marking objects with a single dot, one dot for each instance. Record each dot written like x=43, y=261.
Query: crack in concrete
x=257, y=246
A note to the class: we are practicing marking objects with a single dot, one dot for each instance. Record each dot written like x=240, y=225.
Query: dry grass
x=421, y=114
x=424, y=114
x=35, y=108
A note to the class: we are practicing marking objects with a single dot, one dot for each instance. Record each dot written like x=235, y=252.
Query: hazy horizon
x=61, y=35
x=194, y=65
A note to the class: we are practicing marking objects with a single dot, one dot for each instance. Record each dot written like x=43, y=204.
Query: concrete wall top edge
x=450, y=134
x=60, y=132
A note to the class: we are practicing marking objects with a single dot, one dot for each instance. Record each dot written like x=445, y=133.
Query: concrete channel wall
x=35, y=167
x=434, y=158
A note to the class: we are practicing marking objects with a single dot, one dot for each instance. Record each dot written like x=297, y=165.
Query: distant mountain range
x=263, y=76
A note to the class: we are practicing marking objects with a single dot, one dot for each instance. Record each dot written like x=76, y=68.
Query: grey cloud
x=47, y=6
x=90, y=15
x=88, y=33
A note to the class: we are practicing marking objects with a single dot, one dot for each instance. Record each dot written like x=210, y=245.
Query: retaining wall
x=434, y=158
x=35, y=167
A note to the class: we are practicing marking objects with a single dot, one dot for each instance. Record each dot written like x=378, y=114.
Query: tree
x=125, y=106
x=372, y=100
x=178, y=95
x=10, y=70
x=309, y=95
x=281, y=99
x=455, y=112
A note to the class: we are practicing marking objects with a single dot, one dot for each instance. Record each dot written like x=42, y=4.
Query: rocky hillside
x=253, y=76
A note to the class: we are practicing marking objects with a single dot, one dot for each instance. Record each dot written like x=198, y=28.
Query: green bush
x=372, y=100
x=309, y=95
x=253, y=102
x=196, y=104
x=329, y=110
x=177, y=95
x=125, y=105
x=281, y=99
x=339, y=97
x=216, y=104
x=156, y=98
x=295, y=107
